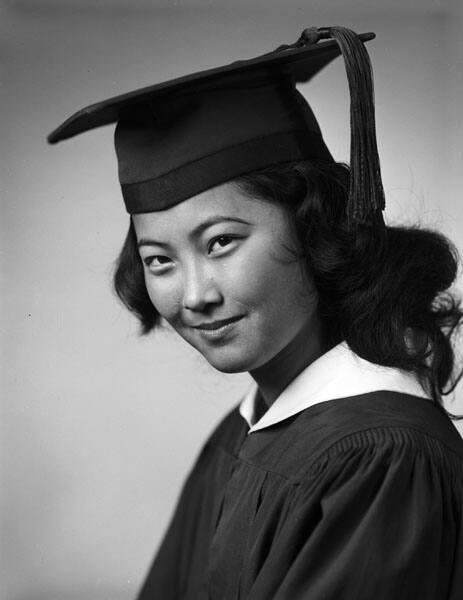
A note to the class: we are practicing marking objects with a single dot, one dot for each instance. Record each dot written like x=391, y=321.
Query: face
x=219, y=269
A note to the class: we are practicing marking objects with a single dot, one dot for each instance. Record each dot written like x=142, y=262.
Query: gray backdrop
x=100, y=426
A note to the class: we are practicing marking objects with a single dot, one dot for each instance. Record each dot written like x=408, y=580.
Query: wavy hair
x=384, y=290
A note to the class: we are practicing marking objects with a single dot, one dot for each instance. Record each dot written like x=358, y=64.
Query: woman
x=340, y=475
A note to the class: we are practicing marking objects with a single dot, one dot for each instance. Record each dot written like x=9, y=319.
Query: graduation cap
x=178, y=138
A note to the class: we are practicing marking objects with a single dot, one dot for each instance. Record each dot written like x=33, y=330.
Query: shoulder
x=218, y=451
x=228, y=433
x=382, y=425
x=383, y=428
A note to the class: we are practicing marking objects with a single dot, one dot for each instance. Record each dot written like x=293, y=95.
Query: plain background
x=99, y=426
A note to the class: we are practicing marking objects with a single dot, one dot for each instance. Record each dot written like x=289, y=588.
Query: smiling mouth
x=217, y=325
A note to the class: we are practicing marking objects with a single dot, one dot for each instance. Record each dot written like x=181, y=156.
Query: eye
x=157, y=262
x=220, y=243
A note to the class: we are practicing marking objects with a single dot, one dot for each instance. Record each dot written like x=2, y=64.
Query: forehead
x=226, y=201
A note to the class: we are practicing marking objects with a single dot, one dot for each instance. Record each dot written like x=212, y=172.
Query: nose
x=200, y=290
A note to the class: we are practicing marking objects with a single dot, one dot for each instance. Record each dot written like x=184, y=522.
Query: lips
x=215, y=325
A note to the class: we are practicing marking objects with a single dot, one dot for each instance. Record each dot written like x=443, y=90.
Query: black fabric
x=356, y=498
x=302, y=63
x=190, y=179
x=176, y=139
x=172, y=150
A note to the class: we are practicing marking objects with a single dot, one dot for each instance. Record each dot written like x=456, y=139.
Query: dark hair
x=384, y=290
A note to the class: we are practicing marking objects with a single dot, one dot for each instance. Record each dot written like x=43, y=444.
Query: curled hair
x=384, y=290
x=129, y=284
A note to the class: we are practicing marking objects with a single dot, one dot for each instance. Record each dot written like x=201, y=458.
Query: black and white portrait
x=231, y=280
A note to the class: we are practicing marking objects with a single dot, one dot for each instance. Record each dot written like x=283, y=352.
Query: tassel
x=366, y=193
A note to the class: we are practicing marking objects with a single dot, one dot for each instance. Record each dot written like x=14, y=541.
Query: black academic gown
x=358, y=498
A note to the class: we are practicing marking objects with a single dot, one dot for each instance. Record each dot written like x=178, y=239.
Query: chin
x=229, y=366
x=228, y=362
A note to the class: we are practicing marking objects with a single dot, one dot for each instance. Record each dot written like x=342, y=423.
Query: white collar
x=339, y=373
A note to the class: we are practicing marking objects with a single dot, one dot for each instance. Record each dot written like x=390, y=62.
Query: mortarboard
x=178, y=138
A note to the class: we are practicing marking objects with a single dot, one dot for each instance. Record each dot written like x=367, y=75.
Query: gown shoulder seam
x=369, y=437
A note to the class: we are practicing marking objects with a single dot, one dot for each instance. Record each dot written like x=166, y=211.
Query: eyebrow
x=197, y=231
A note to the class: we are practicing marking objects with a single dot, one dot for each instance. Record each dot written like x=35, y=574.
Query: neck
x=273, y=377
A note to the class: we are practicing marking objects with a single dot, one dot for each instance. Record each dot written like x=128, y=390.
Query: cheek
x=164, y=296
x=272, y=284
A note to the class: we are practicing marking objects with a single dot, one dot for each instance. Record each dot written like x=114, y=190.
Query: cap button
x=309, y=36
